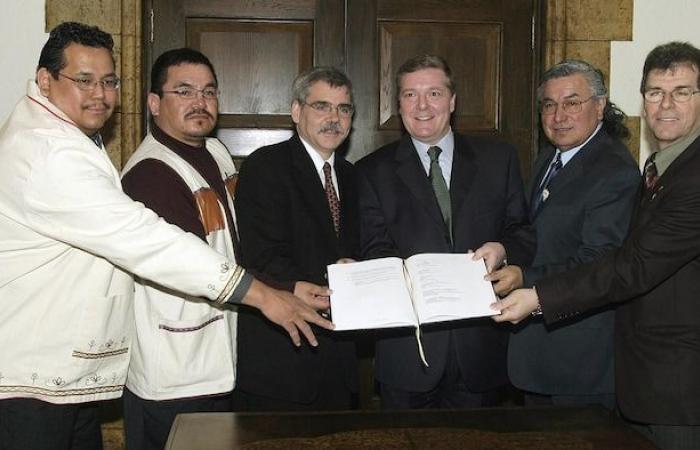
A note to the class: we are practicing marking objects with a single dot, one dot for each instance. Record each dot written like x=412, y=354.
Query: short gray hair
x=303, y=82
x=613, y=117
x=568, y=67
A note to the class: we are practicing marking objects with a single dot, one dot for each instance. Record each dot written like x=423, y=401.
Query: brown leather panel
x=209, y=210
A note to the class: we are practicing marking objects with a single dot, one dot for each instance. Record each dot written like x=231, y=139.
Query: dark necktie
x=442, y=194
x=332, y=197
x=651, y=174
x=97, y=139
x=543, y=191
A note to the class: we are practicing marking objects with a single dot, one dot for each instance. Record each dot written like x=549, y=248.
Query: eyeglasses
x=89, y=83
x=571, y=106
x=190, y=93
x=344, y=109
x=679, y=95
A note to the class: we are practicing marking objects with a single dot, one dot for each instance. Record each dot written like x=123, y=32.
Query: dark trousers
x=606, y=400
x=671, y=437
x=147, y=423
x=333, y=395
x=450, y=393
x=29, y=424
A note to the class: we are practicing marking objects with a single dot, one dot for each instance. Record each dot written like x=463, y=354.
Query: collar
x=568, y=154
x=172, y=143
x=316, y=156
x=665, y=157
x=446, y=144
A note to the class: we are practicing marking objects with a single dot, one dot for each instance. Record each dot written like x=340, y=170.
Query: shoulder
x=612, y=154
x=486, y=151
x=267, y=158
x=379, y=157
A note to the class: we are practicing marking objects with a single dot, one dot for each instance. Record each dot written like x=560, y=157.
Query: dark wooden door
x=259, y=46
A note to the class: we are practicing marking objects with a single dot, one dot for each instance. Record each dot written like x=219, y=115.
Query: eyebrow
x=674, y=88
x=190, y=85
x=90, y=74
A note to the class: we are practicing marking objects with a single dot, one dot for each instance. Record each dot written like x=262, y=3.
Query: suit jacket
x=586, y=214
x=655, y=276
x=286, y=234
x=400, y=217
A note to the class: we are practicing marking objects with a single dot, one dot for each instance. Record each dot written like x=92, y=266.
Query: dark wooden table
x=214, y=431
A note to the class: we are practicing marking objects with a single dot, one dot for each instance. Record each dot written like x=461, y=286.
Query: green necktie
x=442, y=194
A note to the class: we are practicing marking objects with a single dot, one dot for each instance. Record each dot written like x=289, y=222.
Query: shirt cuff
x=241, y=289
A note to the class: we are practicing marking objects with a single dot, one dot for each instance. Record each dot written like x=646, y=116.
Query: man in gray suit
x=581, y=196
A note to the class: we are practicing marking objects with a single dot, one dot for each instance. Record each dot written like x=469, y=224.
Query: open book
x=391, y=292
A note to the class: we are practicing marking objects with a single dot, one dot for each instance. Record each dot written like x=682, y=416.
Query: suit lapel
x=310, y=186
x=540, y=170
x=573, y=170
x=410, y=171
x=464, y=170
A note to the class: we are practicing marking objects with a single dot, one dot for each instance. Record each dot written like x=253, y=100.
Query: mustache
x=331, y=126
x=100, y=104
x=197, y=112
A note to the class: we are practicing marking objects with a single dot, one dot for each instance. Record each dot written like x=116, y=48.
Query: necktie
x=332, y=197
x=543, y=191
x=651, y=174
x=442, y=194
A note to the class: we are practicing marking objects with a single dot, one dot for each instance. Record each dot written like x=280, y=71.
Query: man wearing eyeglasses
x=71, y=244
x=297, y=207
x=185, y=354
x=655, y=276
x=581, y=198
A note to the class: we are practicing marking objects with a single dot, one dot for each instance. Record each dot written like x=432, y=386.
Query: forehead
x=81, y=58
x=679, y=74
x=567, y=86
x=190, y=72
x=423, y=78
x=320, y=90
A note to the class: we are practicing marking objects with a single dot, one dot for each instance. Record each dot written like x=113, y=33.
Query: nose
x=422, y=101
x=98, y=91
x=559, y=114
x=666, y=101
x=199, y=99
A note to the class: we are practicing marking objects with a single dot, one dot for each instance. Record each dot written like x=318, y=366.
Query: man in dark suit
x=441, y=192
x=297, y=212
x=655, y=275
x=581, y=200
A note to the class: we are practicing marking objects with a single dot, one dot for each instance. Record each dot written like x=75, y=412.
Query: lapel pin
x=545, y=194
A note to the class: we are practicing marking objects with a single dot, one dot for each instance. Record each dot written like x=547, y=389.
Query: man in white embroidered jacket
x=71, y=240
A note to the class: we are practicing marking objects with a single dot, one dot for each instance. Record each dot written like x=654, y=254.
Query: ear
x=296, y=111
x=452, y=103
x=154, y=104
x=600, y=107
x=43, y=80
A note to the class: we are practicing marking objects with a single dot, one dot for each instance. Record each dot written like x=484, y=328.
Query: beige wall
x=655, y=22
x=22, y=24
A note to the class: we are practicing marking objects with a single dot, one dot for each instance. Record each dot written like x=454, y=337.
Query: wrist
x=538, y=309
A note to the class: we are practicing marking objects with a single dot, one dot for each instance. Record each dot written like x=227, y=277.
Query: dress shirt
x=569, y=154
x=318, y=163
x=665, y=157
x=447, y=145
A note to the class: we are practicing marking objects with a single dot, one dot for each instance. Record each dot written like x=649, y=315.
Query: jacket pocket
x=194, y=353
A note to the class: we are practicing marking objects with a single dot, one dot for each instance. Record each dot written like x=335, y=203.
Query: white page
x=450, y=286
x=370, y=294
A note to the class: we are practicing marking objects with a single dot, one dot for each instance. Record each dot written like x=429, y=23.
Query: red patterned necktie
x=651, y=174
x=332, y=197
